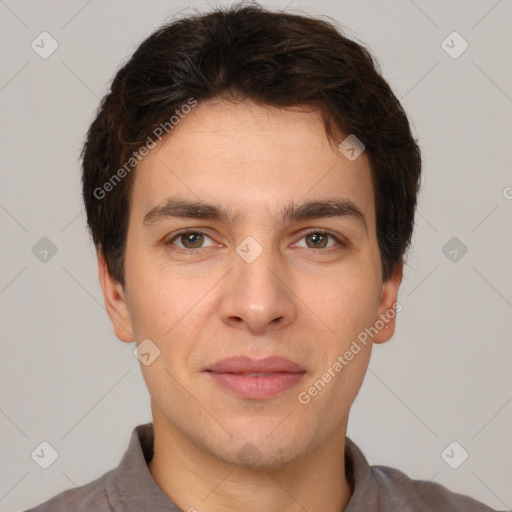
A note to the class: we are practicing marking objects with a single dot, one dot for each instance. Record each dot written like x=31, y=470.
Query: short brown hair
x=275, y=58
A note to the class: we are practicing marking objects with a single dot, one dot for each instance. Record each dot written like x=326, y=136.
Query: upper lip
x=244, y=364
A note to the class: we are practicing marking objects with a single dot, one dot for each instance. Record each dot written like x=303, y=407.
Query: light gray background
x=446, y=374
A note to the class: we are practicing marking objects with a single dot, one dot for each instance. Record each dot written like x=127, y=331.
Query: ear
x=389, y=306
x=115, y=301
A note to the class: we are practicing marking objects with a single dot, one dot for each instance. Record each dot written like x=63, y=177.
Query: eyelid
x=340, y=240
x=170, y=240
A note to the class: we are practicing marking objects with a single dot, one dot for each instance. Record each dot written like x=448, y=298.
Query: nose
x=258, y=296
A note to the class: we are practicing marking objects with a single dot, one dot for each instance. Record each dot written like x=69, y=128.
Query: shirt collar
x=132, y=484
x=133, y=488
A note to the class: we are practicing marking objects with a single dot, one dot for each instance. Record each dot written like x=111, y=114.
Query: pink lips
x=256, y=378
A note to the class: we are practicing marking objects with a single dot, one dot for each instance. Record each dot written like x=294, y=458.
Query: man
x=250, y=184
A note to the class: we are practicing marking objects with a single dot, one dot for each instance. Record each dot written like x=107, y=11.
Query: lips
x=246, y=365
x=255, y=378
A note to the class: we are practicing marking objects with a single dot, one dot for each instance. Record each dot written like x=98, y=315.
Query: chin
x=263, y=451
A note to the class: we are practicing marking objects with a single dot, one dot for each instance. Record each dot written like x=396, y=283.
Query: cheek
x=170, y=310
x=156, y=305
x=350, y=307
x=346, y=302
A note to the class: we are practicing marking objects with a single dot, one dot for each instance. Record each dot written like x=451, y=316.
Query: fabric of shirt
x=131, y=488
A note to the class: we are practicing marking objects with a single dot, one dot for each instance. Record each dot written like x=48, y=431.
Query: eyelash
x=336, y=238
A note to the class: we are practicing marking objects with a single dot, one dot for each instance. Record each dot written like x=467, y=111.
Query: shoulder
x=403, y=493
x=91, y=497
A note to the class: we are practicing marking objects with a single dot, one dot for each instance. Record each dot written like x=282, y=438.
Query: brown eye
x=317, y=240
x=189, y=240
x=192, y=240
x=320, y=240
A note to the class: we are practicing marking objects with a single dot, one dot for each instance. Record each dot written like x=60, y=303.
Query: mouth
x=255, y=378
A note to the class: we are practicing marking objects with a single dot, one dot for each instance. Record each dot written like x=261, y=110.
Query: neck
x=195, y=480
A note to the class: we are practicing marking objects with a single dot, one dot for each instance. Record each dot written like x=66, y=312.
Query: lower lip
x=257, y=387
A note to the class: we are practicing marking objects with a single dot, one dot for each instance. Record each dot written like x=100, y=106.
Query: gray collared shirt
x=131, y=488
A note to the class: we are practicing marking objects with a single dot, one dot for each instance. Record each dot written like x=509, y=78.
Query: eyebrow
x=175, y=207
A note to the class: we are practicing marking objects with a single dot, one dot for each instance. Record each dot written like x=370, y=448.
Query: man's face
x=258, y=284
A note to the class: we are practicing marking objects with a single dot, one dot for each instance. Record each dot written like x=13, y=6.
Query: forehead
x=249, y=156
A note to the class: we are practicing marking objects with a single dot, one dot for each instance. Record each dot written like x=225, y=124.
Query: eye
x=319, y=239
x=190, y=240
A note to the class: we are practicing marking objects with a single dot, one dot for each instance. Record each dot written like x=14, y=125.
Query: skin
x=296, y=300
